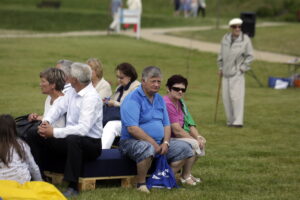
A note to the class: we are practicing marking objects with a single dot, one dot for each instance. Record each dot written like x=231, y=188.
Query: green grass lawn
x=259, y=161
x=281, y=39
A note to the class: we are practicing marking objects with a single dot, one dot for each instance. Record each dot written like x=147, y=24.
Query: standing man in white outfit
x=234, y=59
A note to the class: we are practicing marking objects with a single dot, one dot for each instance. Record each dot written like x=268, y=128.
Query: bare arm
x=179, y=131
x=165, y=145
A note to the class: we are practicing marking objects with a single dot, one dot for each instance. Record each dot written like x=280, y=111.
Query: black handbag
x=110, y=113
x=25, y=127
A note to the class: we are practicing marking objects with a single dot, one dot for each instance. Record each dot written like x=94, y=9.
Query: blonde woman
x=101, y=85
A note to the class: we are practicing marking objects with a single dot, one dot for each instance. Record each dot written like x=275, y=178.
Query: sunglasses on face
x=236, y=26
x=177, y=89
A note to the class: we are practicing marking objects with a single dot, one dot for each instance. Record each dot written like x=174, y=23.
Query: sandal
x=198, y=180
x=188, y=181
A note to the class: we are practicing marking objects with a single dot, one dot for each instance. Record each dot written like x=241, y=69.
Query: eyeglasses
x=177, y=89
x=236, y=26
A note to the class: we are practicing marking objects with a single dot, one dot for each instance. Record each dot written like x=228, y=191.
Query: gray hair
x=65, y=65
x=151, y=72
x=82, y=72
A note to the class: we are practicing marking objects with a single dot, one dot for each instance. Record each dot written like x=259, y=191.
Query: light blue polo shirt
x=137, y=110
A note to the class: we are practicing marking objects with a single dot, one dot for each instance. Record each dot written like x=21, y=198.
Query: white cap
x=235, y=21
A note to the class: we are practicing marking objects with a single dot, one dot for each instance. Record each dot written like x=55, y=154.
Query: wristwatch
x=166, y=142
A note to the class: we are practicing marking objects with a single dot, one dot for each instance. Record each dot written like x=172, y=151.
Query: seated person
x=80, y=140
x=183, y=126
x=126, y=75
x=16, y=161
x=52, y=83
x=146, y=129
x=65, y=65
x=102, y=86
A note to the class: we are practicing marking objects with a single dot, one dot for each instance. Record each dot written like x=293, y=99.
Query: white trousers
x=233, y=92
x=114, y=23
x=110, y=131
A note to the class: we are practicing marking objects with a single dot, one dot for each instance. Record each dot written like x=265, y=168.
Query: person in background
x=65, y=65
x=146, y=129
x=202, y=8
x=127, y=79
x=115, y=6
x=186, y=7
x=101, y=85
x=16, y=161
x=234, y=60
x=52, y=82
x=176, y=7
x=194, y=8
x=80, y=140
x=183, y=127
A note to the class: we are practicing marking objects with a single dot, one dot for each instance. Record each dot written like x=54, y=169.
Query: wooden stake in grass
x=218, y=96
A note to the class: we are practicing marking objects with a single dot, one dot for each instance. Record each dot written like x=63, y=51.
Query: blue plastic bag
x=163, y=176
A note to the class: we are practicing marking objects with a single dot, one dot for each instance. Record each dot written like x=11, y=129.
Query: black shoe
x=70, y=192
x=237, y=126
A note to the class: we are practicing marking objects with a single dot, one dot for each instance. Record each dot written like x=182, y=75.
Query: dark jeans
x=74, y=149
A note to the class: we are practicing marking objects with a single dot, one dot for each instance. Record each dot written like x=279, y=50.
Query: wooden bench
x=110, y=165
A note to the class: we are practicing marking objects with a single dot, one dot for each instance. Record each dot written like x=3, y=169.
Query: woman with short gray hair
x=52, y=83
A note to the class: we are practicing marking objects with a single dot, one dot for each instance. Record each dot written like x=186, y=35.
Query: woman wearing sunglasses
x=234, y=60
x=183, y=126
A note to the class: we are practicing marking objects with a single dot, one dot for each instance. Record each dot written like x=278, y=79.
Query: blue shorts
x=139, y=150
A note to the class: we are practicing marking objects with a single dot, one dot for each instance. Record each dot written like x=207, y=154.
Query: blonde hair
x=96, y=65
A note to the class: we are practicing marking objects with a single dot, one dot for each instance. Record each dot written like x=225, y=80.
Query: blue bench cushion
x=110, y=163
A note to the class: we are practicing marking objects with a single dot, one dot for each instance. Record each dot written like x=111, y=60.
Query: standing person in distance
x=234, y=60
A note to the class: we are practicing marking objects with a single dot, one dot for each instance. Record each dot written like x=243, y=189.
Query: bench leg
x=87, y=184
x=56, y=178
x=127, y=182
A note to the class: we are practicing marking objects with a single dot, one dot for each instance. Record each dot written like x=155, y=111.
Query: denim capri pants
x=139, y=150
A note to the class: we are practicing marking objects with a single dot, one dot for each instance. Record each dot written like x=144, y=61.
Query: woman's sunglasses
x=177, y=89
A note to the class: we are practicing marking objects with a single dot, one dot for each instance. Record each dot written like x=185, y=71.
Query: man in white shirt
x=80, y=140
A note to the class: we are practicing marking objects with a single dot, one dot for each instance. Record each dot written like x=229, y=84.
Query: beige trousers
x=233, y=92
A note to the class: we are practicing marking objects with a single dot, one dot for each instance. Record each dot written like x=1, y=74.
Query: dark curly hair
x=176, y=79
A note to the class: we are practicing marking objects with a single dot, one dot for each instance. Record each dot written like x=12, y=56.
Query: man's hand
x=164, y=148
x=157, y=148
x=45, y=130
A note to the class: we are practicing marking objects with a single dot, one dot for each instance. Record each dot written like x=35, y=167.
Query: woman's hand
x=201, y=140
x=34, y=117
x=110, y=102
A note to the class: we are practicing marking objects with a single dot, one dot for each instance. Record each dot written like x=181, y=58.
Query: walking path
x=159, y=35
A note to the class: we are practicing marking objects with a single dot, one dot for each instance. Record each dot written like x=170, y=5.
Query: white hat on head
x=235, y=21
